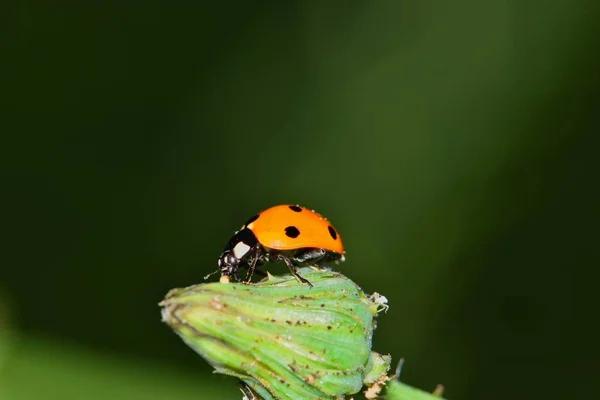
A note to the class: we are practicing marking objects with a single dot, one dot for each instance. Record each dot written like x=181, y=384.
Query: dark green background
x=454, y=145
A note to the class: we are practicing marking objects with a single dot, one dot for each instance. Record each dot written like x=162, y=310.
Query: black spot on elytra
x=332, y=232
x=251, y=220
x=296, y=208
x=292, y=231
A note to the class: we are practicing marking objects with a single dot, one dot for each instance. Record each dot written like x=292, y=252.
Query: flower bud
x=281, y=338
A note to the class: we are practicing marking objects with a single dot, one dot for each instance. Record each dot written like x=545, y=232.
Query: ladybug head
x=228, y=263
x=238, y=250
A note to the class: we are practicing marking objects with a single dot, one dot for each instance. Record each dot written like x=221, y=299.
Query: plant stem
x=396, y=390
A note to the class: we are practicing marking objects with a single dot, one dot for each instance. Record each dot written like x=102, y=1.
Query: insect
x=289, y=233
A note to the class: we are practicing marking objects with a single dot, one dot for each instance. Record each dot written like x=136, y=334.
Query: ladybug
x=289, y=233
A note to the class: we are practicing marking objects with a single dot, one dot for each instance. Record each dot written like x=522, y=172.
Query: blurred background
x=454, y=145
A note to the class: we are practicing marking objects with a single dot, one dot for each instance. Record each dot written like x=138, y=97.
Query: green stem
x=396, y=390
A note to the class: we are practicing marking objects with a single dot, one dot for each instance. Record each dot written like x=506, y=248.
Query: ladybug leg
x=260, y=272
x=256, y=270
x=252, y=265
x=235, y=276
x=293, y=269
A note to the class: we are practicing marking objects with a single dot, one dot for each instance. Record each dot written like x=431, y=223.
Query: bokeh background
x=454, y=145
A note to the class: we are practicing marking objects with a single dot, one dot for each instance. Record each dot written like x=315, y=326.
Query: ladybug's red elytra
x=289, y=233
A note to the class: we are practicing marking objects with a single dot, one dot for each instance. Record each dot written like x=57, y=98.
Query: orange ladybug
x=289, y=233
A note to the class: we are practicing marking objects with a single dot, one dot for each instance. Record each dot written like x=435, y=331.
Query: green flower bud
x=282, y=339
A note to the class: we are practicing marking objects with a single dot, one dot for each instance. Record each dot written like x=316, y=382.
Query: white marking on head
x=240, y=250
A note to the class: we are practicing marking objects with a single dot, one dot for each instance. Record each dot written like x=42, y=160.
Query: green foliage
x=51, y=370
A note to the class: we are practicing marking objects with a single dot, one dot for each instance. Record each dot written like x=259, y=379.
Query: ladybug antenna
x=212, y=273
